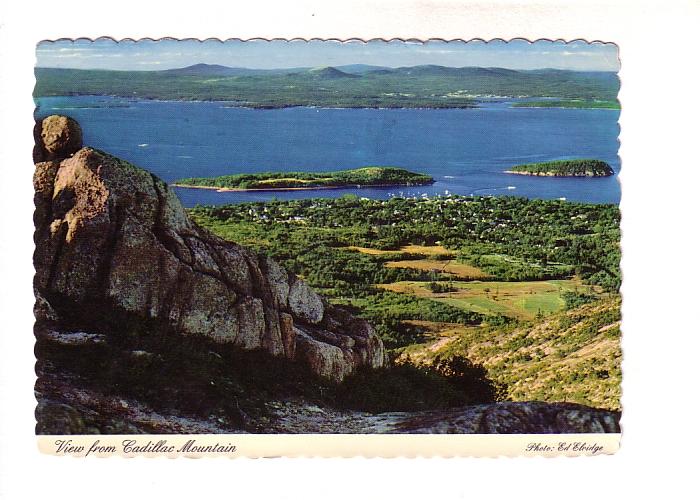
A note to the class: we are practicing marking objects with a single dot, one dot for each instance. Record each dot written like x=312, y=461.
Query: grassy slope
x=572, y=356
x=520, y=299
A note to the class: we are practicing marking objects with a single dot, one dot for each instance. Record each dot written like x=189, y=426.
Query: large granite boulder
x=56, y=137
x=112, y=240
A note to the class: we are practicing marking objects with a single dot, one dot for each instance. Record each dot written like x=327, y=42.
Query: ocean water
x=465, y=150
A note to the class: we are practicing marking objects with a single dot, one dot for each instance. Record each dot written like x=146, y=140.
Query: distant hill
x=208, y=69
x=359, y=69
x=428, y=86
x=467, y=71
x=202, y=69
x=329, y=73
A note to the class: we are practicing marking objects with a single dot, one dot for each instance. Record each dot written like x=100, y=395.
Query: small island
x=564, y=168
x=281, y=181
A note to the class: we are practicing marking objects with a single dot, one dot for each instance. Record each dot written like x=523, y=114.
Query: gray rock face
x=111, y=237
x=305, y=303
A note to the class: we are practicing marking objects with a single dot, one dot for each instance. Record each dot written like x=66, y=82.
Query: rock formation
x=81, y=411
x=113, y=241
x=56, y=137
x=532, y=417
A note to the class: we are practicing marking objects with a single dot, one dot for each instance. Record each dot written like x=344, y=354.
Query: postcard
x=290, y=247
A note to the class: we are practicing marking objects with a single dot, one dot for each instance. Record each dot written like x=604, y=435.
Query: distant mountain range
x=353, y=85
x=351, y=70
x=202, y=69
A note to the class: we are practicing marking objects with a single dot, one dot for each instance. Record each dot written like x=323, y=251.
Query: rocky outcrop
x=113, y=241
x=56, y=137
x=532, y=417
x=67, y=407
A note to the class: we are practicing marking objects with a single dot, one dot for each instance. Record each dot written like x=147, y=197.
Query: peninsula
x=281, y=181
x=564, y=168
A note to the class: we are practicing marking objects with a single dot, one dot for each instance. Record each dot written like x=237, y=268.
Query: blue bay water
x=465, y=150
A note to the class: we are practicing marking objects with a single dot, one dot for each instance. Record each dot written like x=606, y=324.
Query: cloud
x=580, y=53
x=78, y=55
x=74, y=49
x=46, y=48
x=439, y=51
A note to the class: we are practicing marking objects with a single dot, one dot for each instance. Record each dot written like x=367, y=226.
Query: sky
x=262, y=54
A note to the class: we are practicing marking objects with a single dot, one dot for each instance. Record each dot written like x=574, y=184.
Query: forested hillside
x=410, y=87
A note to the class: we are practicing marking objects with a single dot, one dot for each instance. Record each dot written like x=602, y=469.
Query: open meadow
x=520, y=299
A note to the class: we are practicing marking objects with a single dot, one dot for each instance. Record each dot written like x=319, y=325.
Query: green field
x=521, y=300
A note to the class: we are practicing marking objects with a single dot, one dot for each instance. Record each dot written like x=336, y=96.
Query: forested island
x=349, y=86
x=565, y=168
x=364, y=176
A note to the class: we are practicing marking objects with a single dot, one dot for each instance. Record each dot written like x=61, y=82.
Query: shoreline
x=452, y=195
x=310, y=188
x=565, y=107
x=227, y=103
